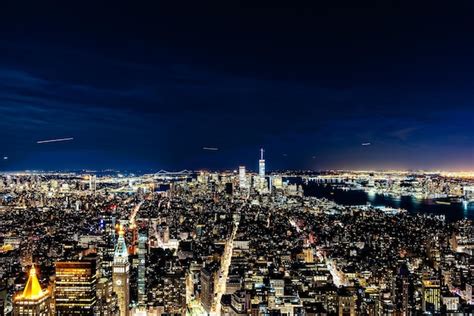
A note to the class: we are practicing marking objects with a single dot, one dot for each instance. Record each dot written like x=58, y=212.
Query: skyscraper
x=400, y=289
x=431, y=299
x=106, y=299
x=120, y=274
x=76, y=287
x=33, y=301
x=261, y=165
x=107, y=249
x=261, y=183
x=142, y=270
x=242, y=177
x=92, y=183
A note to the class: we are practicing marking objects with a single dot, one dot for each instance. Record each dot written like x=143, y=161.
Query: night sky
x=149, y=84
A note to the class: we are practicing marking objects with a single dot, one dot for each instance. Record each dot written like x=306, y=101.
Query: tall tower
x=262, y=184
x=142, y=270
x=120, y=274
x=261, y=165
x=33, y=301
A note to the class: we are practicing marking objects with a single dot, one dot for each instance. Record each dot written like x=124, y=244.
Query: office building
x=142, y=270
x=106, y=298
x=76, y=287
x=242, y=177
x=431, y=299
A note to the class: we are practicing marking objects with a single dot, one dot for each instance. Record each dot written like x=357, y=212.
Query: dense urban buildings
x=183, y=243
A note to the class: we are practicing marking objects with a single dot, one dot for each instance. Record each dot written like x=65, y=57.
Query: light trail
x=133, y=214
x=55, y=140
x=366, y=144
x=221, y=284
x=338, y=277
x=210, y=148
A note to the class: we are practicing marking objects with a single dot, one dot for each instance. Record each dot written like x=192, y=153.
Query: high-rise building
x=106, y=298
x=261, y=181
x=277, y=182
x=107, y=249
x=242, y=177
x=92, y=183
x=120, y=274
x=142, y=299
x=261, y=165
x=76, y=287
x=33, y=301
x=400, y=290
x=347, y=303
x=431, y=299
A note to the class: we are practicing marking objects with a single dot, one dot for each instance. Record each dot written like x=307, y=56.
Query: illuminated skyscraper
x=92, y=183
x=76, y=287
x=33, y=301
x=242, y=177
x=120, y=274
x=142, y=270
x=107, y=251
x=261, y=183
x=261, y=165
x=431, y=298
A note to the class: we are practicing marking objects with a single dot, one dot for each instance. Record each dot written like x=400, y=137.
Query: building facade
x=76, y=287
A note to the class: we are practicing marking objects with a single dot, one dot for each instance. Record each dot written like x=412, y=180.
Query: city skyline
x=233, y=158
x=201, y=86
x=236, y=244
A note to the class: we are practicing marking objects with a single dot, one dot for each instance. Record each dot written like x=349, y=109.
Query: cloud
x=404, y=133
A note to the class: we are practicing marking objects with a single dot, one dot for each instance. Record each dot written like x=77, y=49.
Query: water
x=453, y=212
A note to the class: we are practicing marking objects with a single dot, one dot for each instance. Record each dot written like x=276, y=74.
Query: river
x=452, y=212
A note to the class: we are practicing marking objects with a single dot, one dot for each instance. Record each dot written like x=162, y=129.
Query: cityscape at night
x=168, y=158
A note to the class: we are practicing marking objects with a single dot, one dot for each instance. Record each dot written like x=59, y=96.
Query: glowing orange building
x=33, y=301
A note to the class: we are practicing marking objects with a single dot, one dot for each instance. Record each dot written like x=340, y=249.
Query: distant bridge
x=172, y=173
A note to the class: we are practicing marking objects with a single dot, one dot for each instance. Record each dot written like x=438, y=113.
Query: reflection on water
x=453, y=211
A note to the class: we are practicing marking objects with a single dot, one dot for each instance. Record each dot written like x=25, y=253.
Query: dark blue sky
x=148, y=85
